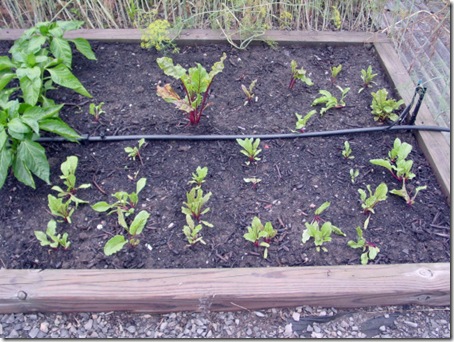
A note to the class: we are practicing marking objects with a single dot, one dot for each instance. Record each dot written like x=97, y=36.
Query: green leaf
x=217, y=67
x=5, y=162
x=121, y=219
x=61, y=75
x=114, y=245
x=101, y=206
x=58, y=126
x=381, y=191
x=31, y=87
x=139, y=223
x=33, y=157
x=322, y=208
x=373, y=251
x=5, y=78
x=140, y=185
x=166, y=65
x=382, y=162
x=22, y=173
x=42, y=237
x=364, y=258
x=83, y=46
x=60, y=49
x=17, y=126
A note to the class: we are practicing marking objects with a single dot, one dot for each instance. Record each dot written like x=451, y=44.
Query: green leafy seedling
x=383, y=108
x=51, y=233
x=298, y=74
x=196, y=84
x=369, y=202
x=397, y=164
x=330, y=101
x=347, y=151
x=353, y=175
x=192, y=231
x=59, y=208
x=320, y=234
x=320, y=210
x=334, y=72
x=249, y=92
x=125, y=201
x=410, y=200
x=195, y=203
x=370, y=250
x=260, y=235
x=367, y=76
x=250, y=149
x=68, y=170
x=134, y=152
x=199, y=176
x=117, y=242
x=96, y=110
x=253, y=180
x=301, y=121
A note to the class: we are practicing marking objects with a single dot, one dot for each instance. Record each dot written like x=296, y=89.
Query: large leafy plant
x=40, y=59
x=196, y=84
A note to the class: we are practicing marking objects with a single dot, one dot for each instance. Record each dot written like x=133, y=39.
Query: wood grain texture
x=216, y=36
x=433, y=144
x=163, y=291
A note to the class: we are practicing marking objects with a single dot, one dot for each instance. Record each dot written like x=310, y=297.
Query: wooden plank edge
x=433, y=144
x=163, y=291
x=192, y=36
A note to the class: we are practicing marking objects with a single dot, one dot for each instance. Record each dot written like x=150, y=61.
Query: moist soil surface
x=297, y=175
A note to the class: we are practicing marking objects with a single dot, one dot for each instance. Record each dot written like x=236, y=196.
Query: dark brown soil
x=296, y=174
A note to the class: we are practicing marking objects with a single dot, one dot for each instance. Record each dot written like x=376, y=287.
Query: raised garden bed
x=296, y=174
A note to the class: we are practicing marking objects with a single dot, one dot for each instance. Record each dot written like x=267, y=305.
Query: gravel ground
x=408, y=321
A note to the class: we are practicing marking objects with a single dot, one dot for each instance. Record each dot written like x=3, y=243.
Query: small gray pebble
x=13, y=334
x=33, y=333
x=131, y=329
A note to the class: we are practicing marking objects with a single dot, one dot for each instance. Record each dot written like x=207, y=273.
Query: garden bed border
x=244, y=288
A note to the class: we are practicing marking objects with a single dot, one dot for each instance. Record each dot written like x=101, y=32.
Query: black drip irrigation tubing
x=255, y=136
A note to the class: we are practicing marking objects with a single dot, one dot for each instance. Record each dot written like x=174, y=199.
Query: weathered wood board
x=223, y=289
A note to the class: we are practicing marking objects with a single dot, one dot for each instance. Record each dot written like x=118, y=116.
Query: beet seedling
x=194, y=205
x=334, y=72
x=397, y=164
x=410, y=200
x=367, y=76
x=68, y=170
x=320, y=234
x=96, y=110
x=369, y=202
x=347, y=151
x=134, y=152
x=383, y=108
x=298, y=74
x=192, y=231
x=370, y=250
x=249, y=92
x=250, y=149
x=320, y=210
x=260, y=235
x=199, y=176
x=125, y=202
x=196, y=84
x=59, y=208
x=353, y=175
x=136, y=227
x=51, y=233
x=253, y=180
x=330, y=101
x=301, y=121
